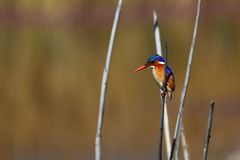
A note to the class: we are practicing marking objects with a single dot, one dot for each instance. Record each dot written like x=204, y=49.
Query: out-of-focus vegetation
x=52, y=53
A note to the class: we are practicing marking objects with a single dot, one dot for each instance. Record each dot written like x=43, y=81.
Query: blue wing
x=169, y=71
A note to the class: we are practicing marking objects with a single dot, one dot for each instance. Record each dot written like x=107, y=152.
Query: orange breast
x=159, y=70
x=158, y=73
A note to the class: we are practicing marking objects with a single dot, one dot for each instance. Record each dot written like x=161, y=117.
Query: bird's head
x=152, y=61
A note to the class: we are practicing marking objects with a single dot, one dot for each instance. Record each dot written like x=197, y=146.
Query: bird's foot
x=163, y=94
x=164, y=88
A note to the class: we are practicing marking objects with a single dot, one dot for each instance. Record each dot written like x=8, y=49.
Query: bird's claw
x=163, y=94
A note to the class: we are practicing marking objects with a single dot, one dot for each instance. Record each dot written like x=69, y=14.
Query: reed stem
x=159, y=52
x=209, y=129
x=185, y=86
x=98, y=140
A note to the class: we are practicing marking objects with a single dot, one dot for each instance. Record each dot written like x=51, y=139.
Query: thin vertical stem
x=159, y=52
x=157, y=34
x=186, y=154
x=104, y=84
x=208, y=133
x=185, y=148
x=161, y=128
x=167, y=131
x=163, y=105
x=185, y=86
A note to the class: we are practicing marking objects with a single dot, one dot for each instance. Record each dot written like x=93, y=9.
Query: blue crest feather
x=156, y=57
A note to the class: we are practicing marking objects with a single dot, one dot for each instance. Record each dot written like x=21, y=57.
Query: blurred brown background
x=52, y=53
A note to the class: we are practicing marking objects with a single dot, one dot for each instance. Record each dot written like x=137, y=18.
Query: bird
x=157, y=63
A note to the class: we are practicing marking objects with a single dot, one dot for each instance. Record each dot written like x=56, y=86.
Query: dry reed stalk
x=159, y=52
x=209, y=129
x=164, y=88
x=186, y=155
x=185, y=86
x=98, y=139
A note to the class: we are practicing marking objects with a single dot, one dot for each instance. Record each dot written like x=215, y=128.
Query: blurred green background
x=52, y=54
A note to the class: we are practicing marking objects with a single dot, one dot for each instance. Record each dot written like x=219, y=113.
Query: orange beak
x=141, y=68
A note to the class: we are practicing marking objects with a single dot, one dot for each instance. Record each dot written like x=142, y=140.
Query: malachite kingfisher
x=157, y=62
